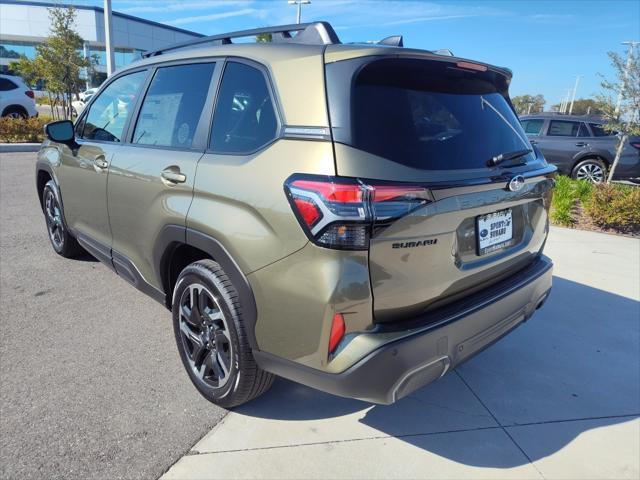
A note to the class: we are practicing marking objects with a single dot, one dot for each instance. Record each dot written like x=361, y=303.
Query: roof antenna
x=392, y=41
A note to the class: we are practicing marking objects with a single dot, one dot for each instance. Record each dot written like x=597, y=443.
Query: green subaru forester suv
x=359, y=218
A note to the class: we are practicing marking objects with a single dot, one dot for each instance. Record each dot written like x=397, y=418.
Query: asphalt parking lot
x=91, y=385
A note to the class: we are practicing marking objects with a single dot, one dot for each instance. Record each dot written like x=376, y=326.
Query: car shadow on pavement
x=573, y=367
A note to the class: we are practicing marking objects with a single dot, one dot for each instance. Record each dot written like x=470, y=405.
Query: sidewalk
x=558, y=398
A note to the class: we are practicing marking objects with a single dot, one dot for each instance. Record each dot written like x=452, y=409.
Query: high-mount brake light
x=471, y=66
x=340, y=212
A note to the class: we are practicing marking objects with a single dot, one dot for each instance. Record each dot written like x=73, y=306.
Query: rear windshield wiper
x=503, y=157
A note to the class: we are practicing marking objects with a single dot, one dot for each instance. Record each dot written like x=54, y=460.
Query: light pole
x=631, y=44
x=299, y=4
x=108, y=34
x=573, y=96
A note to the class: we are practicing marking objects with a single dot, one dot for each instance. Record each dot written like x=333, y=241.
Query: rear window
x=6, y=85
x=428, y=115
x=599, y=131
x=561, y=128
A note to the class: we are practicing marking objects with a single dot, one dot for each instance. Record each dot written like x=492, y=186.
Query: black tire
x=211, y=337
x=62, y=241
x=15, y=111
x=592, y=169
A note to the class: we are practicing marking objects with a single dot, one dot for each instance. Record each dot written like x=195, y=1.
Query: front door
x=82, y=174
x=151, y=177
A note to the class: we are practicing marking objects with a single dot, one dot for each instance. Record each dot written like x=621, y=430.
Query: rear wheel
x=61, y=240
x=590, y=169
x=211, y=338
x=15, y=112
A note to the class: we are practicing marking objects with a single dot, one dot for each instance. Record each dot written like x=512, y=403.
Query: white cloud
x=216, y=16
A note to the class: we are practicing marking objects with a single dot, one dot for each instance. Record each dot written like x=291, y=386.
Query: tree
x=585, y=106
x=58, y=59
x=625, y=88
x=525, y=104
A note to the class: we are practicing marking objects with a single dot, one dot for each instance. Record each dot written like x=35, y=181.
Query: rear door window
x=244, y=119
x=428, y=115
x=173, y=105
x=563, y=128
x=109, y=112
x=533, y=126
x=583, y=131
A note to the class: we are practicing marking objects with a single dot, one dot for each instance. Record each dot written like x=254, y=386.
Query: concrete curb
x=19, y=147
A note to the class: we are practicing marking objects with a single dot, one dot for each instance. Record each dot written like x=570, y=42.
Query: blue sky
x=545, y=42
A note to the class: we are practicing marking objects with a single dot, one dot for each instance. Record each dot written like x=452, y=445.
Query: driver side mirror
x=61, y=132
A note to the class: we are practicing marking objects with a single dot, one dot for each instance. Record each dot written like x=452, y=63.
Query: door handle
x=533, y=142
x=100, y=162
x=582, y=144
x=172, y=175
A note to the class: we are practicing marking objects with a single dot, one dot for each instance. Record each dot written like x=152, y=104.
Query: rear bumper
x=400, y=367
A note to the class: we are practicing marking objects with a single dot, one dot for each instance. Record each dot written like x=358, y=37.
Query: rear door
x=564, y=141
x=438, y=124
x=151, y=177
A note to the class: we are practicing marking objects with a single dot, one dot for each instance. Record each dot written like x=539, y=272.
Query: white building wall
x=31, y=23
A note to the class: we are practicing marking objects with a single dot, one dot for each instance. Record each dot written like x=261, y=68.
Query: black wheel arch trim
x=172, y=236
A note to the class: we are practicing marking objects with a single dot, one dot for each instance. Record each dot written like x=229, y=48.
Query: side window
x=6, y=85
x=108, y=115
x=562, y=128
x=244, y=119
x=173, y=104
x=532, y=127
x=583, y=131
x=598, y=131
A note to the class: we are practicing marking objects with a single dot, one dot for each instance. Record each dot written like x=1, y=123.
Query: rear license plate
x=494, y=231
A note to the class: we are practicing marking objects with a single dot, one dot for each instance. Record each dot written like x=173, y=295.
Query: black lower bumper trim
x=404, y=365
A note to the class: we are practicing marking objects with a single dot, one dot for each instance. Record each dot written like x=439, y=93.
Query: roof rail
x=315, y=33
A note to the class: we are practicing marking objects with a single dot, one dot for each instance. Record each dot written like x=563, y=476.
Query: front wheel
x=211, y=338
x=590, y=169
x=61, y=240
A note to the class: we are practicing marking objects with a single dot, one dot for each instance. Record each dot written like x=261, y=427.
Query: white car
x=16, y=98
x=87, y=93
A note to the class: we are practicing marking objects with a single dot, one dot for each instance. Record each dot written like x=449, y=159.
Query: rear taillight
x=341, y=212
x=635, y=145
x=29, y=93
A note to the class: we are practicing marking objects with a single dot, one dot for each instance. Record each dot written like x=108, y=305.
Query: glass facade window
x=14, y=50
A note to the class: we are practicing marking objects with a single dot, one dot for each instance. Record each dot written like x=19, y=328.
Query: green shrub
x=18, y=130
x=615, y=206
x=563, y=203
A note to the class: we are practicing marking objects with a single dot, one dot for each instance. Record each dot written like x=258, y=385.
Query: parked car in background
x=16, y=98
x=78, y=105
x=87, y=93
x=580, y=147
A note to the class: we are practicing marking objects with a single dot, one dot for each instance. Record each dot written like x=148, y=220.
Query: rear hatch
x=440, y=124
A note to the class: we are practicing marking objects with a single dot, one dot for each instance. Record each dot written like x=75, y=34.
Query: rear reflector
x=340, y=213
x=29, y=93
x=337, y=331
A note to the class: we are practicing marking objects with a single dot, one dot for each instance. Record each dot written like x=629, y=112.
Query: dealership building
x=25, y=24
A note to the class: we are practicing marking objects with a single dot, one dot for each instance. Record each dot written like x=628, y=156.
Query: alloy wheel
x=590, y=171
x=54, y=220
x=205, y=335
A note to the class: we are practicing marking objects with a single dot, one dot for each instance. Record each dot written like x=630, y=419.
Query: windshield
x=430, y=115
